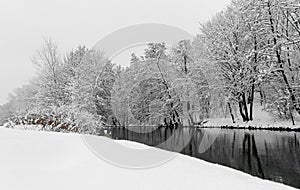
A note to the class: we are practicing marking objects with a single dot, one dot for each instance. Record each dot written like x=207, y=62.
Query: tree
x=91, y=91
x=228, y=44
x=277, y=21
x=50, y=80
x=191, y=83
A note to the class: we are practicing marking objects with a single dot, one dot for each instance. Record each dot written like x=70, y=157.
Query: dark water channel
x=267, y=154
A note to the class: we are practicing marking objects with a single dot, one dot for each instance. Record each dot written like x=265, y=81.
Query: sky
x=24, y=24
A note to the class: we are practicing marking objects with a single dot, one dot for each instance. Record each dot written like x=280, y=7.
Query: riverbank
x=288, y=129
x=40, y=160
x=257, y=123
x=261, y=120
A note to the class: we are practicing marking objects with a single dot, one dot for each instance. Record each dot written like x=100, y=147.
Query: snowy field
x=43, y=160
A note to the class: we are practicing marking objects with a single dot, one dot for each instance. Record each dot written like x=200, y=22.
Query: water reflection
x=266, y=154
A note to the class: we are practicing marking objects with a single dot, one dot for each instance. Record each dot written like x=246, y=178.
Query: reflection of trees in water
x=269, y=155
x=270, y=159
x=250, y=152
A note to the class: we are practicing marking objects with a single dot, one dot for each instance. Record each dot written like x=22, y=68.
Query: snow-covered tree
x=228, y=45
x=91, y=92
x=50, y=80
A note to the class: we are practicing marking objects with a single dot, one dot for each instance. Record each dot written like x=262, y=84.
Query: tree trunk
x=241, y=111
x=245, y=107
x=261, y=96
x=251, y=103
x=253, y=79
x=230, y=110
x=292, y=117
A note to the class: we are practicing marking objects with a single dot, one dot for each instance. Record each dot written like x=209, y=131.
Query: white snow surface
x=44, y=160
x=261, y=118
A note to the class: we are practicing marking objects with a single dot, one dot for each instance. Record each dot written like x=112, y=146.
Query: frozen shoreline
x=256, y=124
x=39, y=160
x=261, y=119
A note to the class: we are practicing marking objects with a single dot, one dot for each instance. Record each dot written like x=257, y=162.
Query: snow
x=45, y=160
x=261, y=118
x=28, y=127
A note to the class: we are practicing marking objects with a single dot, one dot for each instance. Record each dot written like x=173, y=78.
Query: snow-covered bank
x=261, y=118
x=257, y=124
x=39, y=160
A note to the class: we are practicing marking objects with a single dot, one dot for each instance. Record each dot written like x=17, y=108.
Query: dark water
x=267, y=154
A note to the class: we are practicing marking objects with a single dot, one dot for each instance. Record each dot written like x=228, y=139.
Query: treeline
x=250, y=51
x=69, y=93
x=84, y=92
x=162, y=87
x=255, y=46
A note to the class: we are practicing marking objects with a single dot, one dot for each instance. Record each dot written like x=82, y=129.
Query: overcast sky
x=24, y=23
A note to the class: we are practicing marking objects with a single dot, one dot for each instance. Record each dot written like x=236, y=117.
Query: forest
x=250, y=51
